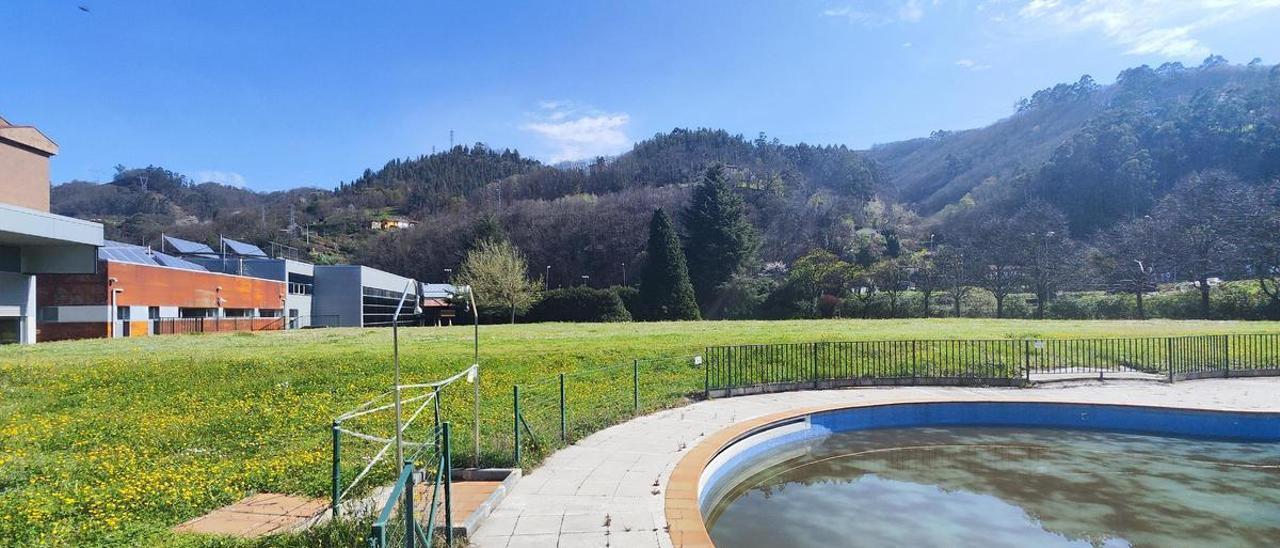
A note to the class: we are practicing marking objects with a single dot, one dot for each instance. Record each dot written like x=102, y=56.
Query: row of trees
x=1210, y=226
x=681, y=278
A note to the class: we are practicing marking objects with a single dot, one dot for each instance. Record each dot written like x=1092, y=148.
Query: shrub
x=630, y=296
x=579, y=304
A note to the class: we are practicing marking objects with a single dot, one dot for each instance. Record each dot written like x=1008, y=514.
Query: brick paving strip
x=258, y=515
x=611, y=488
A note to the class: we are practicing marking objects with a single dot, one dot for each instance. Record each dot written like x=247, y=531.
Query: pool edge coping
x=681, y=505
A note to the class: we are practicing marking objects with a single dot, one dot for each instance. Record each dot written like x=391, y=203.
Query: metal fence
x=365, y=452
x=175, y=326
x=569, y=406
x=421, y=496
x=746, y=369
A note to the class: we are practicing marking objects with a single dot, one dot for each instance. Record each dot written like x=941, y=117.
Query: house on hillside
x=392, y=223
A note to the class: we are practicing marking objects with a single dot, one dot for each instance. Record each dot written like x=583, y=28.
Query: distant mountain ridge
x=932, y=172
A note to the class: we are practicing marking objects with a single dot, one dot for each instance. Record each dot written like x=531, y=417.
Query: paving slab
x=256, y=516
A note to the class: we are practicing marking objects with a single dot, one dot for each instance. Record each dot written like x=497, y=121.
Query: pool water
x=969, y=486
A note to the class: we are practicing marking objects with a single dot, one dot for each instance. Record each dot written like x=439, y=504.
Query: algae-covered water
x=1005, y=487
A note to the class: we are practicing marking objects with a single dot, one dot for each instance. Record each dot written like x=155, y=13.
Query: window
x=301, y=284
x=238, y=312
x=10, y=330
x=47, y=314
x=197, y=312
x=122, y=313
x=153, y=312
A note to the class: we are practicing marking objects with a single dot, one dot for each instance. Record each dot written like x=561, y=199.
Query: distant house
x=392, y=223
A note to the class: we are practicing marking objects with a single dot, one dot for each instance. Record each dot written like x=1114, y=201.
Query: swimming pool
x=998, y=474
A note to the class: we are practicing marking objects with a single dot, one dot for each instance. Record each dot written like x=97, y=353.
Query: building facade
x=136, y=292
x=33, y=242
x=359, y=296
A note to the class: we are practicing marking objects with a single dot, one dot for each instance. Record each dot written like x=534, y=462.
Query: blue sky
x=272, y=95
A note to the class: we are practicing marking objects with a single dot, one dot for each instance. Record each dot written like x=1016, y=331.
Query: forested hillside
x=1077, y=168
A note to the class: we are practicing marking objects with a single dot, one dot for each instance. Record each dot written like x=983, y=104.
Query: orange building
x=138, y=292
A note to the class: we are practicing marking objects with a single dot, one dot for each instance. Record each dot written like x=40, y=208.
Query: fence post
x=635, y=386
x=706, y=375
x=410, y=526
x=1026, y=359
x=915, y=364
x=515, y=408
x=448, y=485
x=1226, y=356
x=815, y=365
x=1168, y=356
x=564, y=430
x=334, y=492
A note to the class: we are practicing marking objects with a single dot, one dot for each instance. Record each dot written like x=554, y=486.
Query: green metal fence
x=408, y=518
x=564, y=408
x=742, y=369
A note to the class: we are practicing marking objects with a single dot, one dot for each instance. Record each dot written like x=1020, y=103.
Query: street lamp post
x=546, y=280
x=586, y=279
x=624, y=274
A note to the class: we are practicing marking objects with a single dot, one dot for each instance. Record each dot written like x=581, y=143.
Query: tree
x=998, y=256
x=955, y=270
x=665, y=290
x=497, y=272
x=892, y=276
x=720, y=239
x=1203, y=218
x=1129, y=259
x=925, y=276
x=1263, y=247
x=1049, y=258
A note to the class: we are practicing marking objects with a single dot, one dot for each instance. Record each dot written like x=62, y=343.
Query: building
x=135, y=291
x=392, y=223
x=437, y=304
x=359, y=296
x=33, y=242
x=248, y=260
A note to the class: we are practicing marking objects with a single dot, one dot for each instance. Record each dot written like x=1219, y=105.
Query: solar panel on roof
x=242, y=249
x=132, y=254
x=187, y=247
x=171, y=261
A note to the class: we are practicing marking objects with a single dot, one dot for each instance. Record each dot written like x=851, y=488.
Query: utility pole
x=451, y=139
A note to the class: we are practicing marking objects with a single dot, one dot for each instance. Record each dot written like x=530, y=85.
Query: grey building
x=359, y=296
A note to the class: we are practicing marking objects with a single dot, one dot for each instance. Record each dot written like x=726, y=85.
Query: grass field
x=114, y=442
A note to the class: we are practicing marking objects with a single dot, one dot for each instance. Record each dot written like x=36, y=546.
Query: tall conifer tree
x=720, y=237
x=665, y=291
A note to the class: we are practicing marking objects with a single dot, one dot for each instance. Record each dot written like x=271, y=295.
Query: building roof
x=27, y=137
x=188, y=247
x=121, y=252
x=439, y=291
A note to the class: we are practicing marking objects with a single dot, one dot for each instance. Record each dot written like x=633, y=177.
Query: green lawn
x=113, y=442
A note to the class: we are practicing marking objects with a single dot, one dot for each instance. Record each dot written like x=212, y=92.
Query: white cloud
x=1166, y=28
x=907, y=11
x=971, y=64
x=229, y=178
x=576, y=133
x=911, y=11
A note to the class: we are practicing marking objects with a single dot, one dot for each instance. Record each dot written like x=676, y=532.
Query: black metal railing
x=741, y=369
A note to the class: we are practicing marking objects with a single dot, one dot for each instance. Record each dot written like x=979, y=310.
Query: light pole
x=546, y=280
x=624, y=274
x=448, y=274
x=586, y=279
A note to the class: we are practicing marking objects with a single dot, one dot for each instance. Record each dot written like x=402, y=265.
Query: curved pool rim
x=731, y=448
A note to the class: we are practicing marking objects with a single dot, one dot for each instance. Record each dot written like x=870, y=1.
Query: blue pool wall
x=1161, y=421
